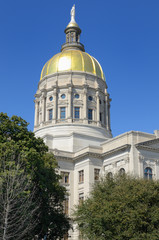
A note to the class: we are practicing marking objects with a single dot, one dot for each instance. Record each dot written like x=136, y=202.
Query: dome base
x=72, y=138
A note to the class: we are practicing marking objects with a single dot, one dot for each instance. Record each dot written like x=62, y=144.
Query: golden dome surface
x=72, y=60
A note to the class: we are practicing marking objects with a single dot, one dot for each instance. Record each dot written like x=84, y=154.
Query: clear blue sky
x=123, y=35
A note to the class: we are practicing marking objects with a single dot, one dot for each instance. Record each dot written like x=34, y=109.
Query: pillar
x=69, y=112
x=43, y=107
x=98, y=108
x=107, y=112
x=55, y=105
x=85, y=107
x=36, y=113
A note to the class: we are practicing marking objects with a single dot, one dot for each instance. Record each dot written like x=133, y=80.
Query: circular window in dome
x=63, y=96
x=76, y=95
x=51, y=98
x=90, y=98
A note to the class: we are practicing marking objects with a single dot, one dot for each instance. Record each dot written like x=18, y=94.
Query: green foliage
x=123, y=208
x=16, y=141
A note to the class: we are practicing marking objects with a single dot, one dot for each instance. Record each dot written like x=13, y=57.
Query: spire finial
x=73, y=32
x=73, y=14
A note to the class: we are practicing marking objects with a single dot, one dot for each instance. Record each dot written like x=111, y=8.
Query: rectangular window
x=62, y=113
x=65, y=177
x=81, y=176
x=66, y=206
x=90, y=115
x=100, y=117
x=50, y=114
x=96, y=174
x=77, y=113
x=81, y=198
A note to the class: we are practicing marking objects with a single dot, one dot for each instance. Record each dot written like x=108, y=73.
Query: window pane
x=100, y=116
x=122, y=171
x=77, y=112
x=63, y=96
x=62, y=112
x=90, y=98
x=50, y=114
x=148, y=173
x=65, y=177
x=96, y=174
x=81, y=176
x=90, y=114
x=81, y=198
x=51, y=98
x=110, y=175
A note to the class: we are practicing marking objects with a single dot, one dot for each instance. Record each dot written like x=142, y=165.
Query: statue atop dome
x=73, y=14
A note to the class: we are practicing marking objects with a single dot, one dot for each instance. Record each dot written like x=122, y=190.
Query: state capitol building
x=72, y=115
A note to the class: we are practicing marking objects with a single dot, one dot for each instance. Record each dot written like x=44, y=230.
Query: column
x=55, y=105
x=69, y=113
x=109, y=115
x=36, y=114
x=85, y=107
x=43, y=107
x=98, y=108
x=107, y=112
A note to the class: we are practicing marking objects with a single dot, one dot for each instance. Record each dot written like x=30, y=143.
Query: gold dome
x=72, y=60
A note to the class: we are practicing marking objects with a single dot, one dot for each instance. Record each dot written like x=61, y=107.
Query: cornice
x=116, y=150
x=143, y=147
x=89, y=154
x=146, y=143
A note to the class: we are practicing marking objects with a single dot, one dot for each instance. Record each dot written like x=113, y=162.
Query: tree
x=123, y=208
x=18, y=208
x=41, y=167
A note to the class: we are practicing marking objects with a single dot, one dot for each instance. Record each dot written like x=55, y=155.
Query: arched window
x=148, y=173
x=110, y=175
x=122, y=171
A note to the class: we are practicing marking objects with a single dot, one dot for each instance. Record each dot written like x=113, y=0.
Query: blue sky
x=122, y=35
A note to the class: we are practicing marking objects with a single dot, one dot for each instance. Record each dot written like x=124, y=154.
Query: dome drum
x=90, y=108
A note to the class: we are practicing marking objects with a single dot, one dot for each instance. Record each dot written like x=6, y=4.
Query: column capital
x=36, y=101
x=97, y=93
x=43, y=93
x=69, y=88
x=54, y=90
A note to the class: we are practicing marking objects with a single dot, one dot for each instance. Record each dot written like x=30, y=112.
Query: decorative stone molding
x=117, y=150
